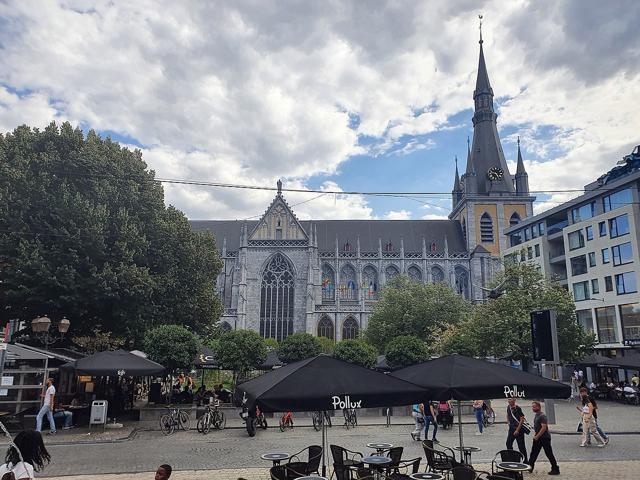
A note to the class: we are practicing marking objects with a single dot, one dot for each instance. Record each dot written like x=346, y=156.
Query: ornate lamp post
x=41, y=328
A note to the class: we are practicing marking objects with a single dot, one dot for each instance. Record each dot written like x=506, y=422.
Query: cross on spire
x=480, y=27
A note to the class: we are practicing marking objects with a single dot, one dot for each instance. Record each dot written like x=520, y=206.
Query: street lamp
x=41, y=326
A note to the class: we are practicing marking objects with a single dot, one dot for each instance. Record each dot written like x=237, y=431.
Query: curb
x=132, y=435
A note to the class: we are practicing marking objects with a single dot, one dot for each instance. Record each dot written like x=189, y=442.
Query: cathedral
x=283, y=276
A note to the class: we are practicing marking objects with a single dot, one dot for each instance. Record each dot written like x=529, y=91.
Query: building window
x=391, y=272
x=626, y=283
x=486, y=228
x=589, y=231
x=529, y=253
x=622, y=254
x=516, y=238
x=536, y=247
x=462, y=281
x=579, y=265
x=348, y=288
x=370, y=282
x=464, y=230
x=325, y=328
x=534, y=232
x=602, y=228
x=414, y=273
x=225, y=327
x=606, y=322
x=605, y=255
x=523, y=255
x=347, y=247
x=585, y=320
x=350, y=329
x=527, y=234
x=581, y=291
x=276, y=302
x=433, y=247
x=595, y=287
x=328, y=282
x=541, y=228
x=388, y=247
x=630, y=317
x=583, y=212
x=608, y=284
x=576, y=240
x=617, y=200
x=514, y=220
x=437, y=275
x=619, y=226
x=592, y=259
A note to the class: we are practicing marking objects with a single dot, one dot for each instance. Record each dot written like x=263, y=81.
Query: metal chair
x=284, y=472
x=507, y=456
x=310, y=466
x=464, y=472
x=437, y=461
x=395, y=454
x=405, y=468
x=345, y=461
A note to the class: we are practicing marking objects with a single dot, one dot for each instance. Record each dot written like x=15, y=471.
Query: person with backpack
x=35, y=457
x=517, y=428
x=417, y=412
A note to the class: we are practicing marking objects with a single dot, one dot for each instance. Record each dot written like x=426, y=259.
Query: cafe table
x=377, y=463
x=275, y=457
x=380, y=448
x=515, y=467
x=427, y=476
x=466, y=453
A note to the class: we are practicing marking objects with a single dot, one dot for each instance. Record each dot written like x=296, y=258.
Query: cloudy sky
x=332, y=95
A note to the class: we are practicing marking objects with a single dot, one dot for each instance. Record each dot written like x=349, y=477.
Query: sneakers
x=435, y=441
x=583, y=444
x=415, y=436
x=606, y=441
x=554, y=471
x=601, y=445
x=52, y=433
x=478, y=434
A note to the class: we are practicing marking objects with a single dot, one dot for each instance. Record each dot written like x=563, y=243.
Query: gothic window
x=388, y=247
x=350, y=329
x=433, y=247
x=348, y=289
x=276, y=299
x=514, y=220
x=464, y=229
x=414, y=273
x=370, y=282
x=347, y=247
x=486, y=228
x=325, y=327
x=225, y=327
x=437, y=274
x=391, y=272
x=462, y=281
x=328, y=282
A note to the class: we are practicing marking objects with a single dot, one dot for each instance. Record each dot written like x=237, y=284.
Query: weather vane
x=480, y=17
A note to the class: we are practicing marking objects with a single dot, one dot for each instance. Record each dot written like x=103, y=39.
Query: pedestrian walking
x=430, y=417
x=417, y=412
x=635, y=380
x=585, y=393
x=477, y=410
x=588, y=423
x=542, y=439
x=30, y=446
x=47, y=408
x=517, y=428
x=163, y=472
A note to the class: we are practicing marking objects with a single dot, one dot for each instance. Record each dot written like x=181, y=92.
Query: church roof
x=369, y=231
x=482, y=80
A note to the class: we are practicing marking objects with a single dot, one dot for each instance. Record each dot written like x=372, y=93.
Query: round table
x=312, y=477
x=427, y=476
x=380, y=447
x=377, y=462
x=275, y=457
x=466, y=453
x=516, y=467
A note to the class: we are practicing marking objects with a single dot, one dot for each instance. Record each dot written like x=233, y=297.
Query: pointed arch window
x=464, y=230
x=462, y=281
x=486, y=228
x=276, y=299
x=350, y=329
x=325, y=327
x=388, y=247
x=434, y=247
x=391, y=272
x=370, y=282
x=328, y=283
x=437, y=274
x=348, y=287
x=225, y=327
x=347, y=247
x=414, y=273
x=514, y=220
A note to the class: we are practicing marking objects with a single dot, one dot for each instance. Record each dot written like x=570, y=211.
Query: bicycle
x=318, y=418
x=286, y=421
x=212, y=417
x=488, y=415
x=350, y=418
x=175, y=419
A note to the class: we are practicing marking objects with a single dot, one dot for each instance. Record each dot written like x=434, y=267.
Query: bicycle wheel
x=327, y=419
x=347, y=422
x=166, y=424
x=491, y=417
x=317, y=422
x=219, y=422
x=264, y=423
x=184, y=420
x=282, y=424
x=206, y=427
x=200, y=423
x=354, y=418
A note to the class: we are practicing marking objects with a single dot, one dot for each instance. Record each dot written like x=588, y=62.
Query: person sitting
x=445, y=416
x=65, y=415
x=222, y=393
x=28, y=454
x=163, y=472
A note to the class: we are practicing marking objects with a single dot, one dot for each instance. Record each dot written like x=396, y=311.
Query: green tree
x=98, y=341
x=298, y=347
x=406, y=350
x=172, y=346
x=413, y=308
x=241, y=351
x=85, y=233
x=327, y=345
x=356, y=351
x=271, y=343
x=502, y=327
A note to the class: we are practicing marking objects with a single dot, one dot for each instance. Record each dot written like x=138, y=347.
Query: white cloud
x=398, y=215
x=433, y=216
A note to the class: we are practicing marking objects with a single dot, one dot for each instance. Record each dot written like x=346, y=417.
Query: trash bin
x=98, y=414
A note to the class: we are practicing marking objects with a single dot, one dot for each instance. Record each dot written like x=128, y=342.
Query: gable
x=278, y=223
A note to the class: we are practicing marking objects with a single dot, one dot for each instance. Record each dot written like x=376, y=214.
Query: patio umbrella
x=456, y=377
x=272, y=361
x=324, y=383
x=630, y=361
x=113, y=364
x=205, y=359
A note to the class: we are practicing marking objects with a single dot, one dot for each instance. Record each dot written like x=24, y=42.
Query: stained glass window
x=350, y=329
x=414, y=273
x=462, y=281
x=370, y=282
x=348, y=287
x=325, y=327
x=328, y=282
x=391, y=272
x=437, y=274
x=276, y=302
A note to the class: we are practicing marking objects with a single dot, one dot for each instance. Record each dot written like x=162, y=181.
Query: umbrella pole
x=324, y=441
x=460, y=428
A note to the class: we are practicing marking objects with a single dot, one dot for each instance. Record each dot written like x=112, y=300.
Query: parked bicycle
x=318, y=418
x=213, y=417
x=174, y=420
x=286, y=421
x=350, y=418
x=488, y=415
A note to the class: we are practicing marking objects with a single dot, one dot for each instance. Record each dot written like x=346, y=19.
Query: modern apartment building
x=591, y=245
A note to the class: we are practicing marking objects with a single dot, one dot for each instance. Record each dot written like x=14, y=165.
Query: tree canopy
x=241, y=351
x=356, y=351
x=172, y=346
x=407, y=307
x=85, y=233
x=298, y=347
x=406, y=350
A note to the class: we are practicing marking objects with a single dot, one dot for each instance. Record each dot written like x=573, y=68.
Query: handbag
x=525, y=428
x=579, y=429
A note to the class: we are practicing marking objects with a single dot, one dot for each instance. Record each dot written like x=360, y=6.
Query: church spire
x=456, y=181
x=456, y=193
x=520, y=167
x=482, y=80
x=522, y=179
x=469, y=170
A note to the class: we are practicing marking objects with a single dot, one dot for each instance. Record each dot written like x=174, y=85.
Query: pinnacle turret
x=521, y=177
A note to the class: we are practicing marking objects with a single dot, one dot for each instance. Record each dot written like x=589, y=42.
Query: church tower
x=490, y=198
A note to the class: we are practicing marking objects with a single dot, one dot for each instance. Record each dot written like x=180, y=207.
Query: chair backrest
x=315, y=454
x=337, y=452
x=279, y=472
x=511, y=456
x=428, y=452
x=395, y=454
x=464, y=473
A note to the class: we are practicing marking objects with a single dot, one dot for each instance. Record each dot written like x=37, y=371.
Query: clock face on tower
x=495, y=173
